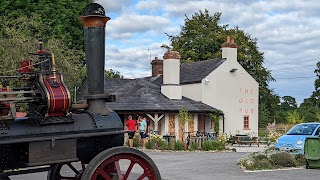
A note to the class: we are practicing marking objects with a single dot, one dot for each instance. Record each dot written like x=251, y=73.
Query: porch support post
x=176, y=124
x=155, y=119
x=166, y=123
x=195, y=122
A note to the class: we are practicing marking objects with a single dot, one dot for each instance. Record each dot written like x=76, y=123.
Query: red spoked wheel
x=66, y=171
x=121, y=163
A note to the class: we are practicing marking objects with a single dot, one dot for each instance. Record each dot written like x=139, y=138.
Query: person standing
x=132, y=127
x=143, y=132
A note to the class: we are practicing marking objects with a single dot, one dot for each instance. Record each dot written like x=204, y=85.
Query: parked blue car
x=293, y=140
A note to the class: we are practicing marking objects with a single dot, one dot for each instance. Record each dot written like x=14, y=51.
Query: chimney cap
x=94, y=9
x=229, y=44
x=171, y=55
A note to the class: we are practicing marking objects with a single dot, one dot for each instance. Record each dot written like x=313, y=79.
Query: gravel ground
x=208, y=166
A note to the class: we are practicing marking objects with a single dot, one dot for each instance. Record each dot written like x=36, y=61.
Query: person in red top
x=131, y=126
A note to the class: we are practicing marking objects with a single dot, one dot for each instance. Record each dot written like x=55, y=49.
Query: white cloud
x=287, y=33
x=112, y=5
x=148, y=5
x=128, y=25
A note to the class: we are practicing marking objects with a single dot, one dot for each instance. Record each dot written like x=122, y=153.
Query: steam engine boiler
x=55, y=131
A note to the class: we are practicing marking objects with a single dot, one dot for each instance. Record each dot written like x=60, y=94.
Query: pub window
x=246, y=122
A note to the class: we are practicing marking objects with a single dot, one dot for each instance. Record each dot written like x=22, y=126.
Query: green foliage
x=193, y=146
x=213, y=145
x=282, y=159
x=271, y=159
x=156, y=142
x=178, y=145
x=184, y=115
x=216, y=122
x=294, y=117
x=22, y=22
x=163, y=145
x=20, y=40
x=300, y=160
x=58, y=19
x=289, y=103
x=264, y=115
x=309, y=109
x=199, y=38
x=136, y=141
x=273, y=136
x=316, y=93
x=110, y=73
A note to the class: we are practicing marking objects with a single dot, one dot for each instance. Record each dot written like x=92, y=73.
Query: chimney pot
x=229, y=44
x=171, y=55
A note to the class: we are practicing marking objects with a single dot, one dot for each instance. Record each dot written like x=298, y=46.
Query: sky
x=287, y=32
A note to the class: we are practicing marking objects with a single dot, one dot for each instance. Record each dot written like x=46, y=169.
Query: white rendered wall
x=208, y=125
x=172, y=91
x=192, y=91
x=171, y=71
x=236, y=94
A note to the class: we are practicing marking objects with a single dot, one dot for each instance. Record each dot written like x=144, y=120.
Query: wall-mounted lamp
x=206, y=81
x=233, y=70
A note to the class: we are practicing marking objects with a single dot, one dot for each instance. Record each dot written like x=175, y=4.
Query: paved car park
x=208, y=166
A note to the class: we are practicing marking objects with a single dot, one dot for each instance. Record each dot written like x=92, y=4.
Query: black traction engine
x=54, y=133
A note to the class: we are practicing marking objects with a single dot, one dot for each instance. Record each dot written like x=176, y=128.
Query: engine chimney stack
x=94, y=21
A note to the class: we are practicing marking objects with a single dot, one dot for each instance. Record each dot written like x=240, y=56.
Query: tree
x=20, y=41
x=59, y=19
x=288, y=103
x=201, y=38
x=316, y=93
x=310, y=107
x=294, y=117
x=264, y=115
x=112, y=74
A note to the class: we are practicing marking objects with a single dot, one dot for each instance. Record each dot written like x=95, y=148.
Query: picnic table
x=244, y=139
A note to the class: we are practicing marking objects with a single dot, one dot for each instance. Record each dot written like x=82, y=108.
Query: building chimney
x=229, y=49
x=94, y=21
x=171, y=75
x=157, y=67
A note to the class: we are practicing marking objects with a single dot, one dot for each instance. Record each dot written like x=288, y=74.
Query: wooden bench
x=244, y=140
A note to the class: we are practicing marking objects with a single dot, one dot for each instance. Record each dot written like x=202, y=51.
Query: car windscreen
x=302, y=129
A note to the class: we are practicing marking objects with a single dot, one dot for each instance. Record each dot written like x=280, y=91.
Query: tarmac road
x=206, y=166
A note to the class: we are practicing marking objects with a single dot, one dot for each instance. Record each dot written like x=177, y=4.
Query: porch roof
x=142, y=95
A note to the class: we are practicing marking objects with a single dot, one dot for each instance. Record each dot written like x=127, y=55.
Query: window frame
x=246, y=122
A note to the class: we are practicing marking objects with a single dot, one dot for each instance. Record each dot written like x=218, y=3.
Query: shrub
x=271, y=159
x=149, y=144
x=193, y=145
x=300, y=160
x=163, y=145
x=282, y=159
x=136, y=140
x=261, y=164
x=213, y=145
x=222, y=138
x=273, y=136
x=156, y=142
x=260, y=157
x=178, y=145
